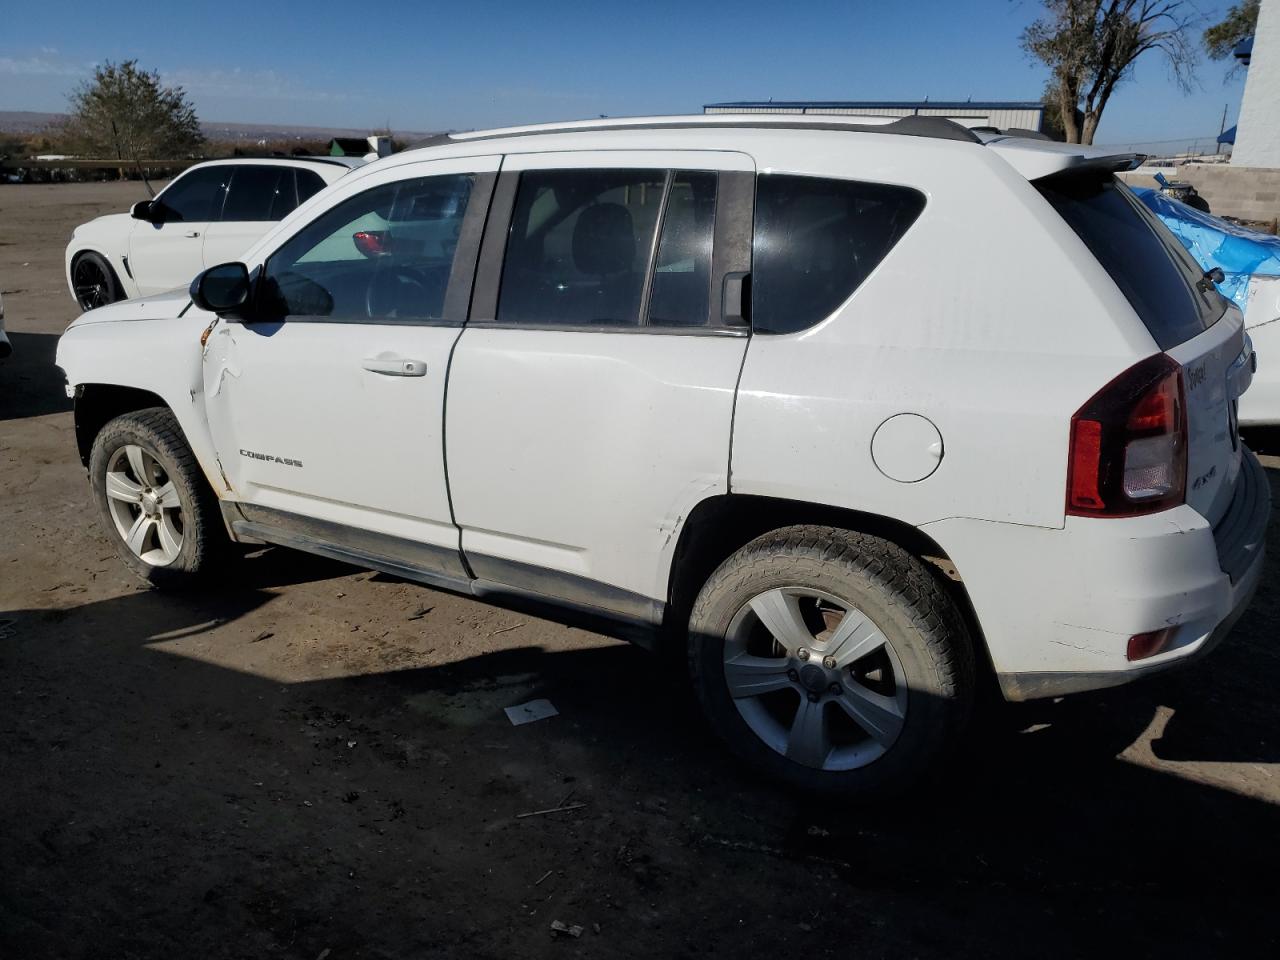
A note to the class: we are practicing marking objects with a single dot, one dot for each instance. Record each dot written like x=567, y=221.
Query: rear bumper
x=1057, y=607
x=1037, y=686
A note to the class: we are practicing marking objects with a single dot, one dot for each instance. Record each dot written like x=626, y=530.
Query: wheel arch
x=97, y=404
x=720, y=525
x=77, y=252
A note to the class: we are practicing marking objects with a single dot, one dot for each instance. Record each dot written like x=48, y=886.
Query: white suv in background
x=853, y=410
x=211, y=213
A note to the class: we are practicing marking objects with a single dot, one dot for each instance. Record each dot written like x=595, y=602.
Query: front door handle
x=396, y=367
x=192, y=234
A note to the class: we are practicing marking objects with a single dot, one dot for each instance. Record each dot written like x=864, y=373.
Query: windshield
x=1151, y=268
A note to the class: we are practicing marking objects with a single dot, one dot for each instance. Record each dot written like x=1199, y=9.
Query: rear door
x=591, y=394
x=1186, y=316
x=169, y=253
x=254, y=196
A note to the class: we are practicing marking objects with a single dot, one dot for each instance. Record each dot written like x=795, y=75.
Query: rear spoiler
x=1036, y=159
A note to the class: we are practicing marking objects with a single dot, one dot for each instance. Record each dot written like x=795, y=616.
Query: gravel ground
x=313, y=761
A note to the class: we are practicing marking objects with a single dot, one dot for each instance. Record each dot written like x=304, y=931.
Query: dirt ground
x=313, y=762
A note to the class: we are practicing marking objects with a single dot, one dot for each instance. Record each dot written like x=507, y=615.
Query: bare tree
x=1090, y=47
x=129, y=114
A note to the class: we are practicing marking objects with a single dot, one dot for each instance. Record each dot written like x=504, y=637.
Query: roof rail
x=938, y=128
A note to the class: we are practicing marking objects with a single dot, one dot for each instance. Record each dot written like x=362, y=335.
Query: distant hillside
x=28, y=122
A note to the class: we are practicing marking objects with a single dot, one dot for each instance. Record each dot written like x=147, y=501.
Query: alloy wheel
x=815, y=678
x=91, y=284
x=144, y=505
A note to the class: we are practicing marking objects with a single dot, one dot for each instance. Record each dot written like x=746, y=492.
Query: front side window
x=385, y=254
x=194, y=197
x=816, y=240
x=259, y=193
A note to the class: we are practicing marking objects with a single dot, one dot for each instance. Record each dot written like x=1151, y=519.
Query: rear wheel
x=94, y=282
x=154, y=503
x=831, y=660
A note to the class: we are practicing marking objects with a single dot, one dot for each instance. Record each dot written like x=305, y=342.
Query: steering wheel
x=389, y=287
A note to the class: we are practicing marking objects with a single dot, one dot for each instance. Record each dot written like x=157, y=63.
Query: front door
x=328, y=416
x=168, y=253
x=591, y=395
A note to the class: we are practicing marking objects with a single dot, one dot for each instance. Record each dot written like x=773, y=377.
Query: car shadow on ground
x=30, y=384
x=159, y=803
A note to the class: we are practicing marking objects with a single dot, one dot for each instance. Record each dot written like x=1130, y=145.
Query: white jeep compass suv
x=855, y=410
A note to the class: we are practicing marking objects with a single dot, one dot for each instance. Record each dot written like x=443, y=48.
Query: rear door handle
x=396, y=367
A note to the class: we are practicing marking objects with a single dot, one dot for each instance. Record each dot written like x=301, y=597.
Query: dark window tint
x=1151, y=268
x=258, y=193
x=384, y=254
x=194, y=196
x=309, y=184
x=682, y=277
x=816, y=240
x=580, y=246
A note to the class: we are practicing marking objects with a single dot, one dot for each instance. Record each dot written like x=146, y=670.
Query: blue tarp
x=1214, y=242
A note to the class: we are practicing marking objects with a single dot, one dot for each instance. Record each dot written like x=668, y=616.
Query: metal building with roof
x=1021, y=114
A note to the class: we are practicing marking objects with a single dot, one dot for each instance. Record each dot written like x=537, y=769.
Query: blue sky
x=429, y=66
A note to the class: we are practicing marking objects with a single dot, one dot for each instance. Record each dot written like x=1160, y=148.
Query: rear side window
x=1151, y=268
x=259, y=193
x=309, y=184
x=816, y=240
x=579, y=247
x=682, y=276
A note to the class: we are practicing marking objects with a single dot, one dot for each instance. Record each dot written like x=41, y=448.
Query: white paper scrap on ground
x=531, y=711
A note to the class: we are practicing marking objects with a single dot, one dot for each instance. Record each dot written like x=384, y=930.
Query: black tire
x=94, y=281
x=899, y=595
x=204, y=541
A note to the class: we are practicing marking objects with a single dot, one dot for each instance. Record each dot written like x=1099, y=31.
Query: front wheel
x=831, y=660
x=94, y=282
x=154, y=503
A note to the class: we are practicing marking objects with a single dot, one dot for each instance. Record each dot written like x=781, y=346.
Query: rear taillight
x=372, y=243
x=1129, y=444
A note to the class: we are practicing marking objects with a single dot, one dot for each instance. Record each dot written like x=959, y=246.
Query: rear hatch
x=1187, y=318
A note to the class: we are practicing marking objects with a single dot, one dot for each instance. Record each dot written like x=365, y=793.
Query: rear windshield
x=1151, y=268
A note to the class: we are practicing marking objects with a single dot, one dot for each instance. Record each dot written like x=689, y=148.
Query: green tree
x=1090, y=47
x=129, y=114
x=1239, y=24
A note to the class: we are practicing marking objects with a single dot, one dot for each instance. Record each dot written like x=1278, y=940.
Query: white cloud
x=44, y=64
x=252, y=85
x=234, y=83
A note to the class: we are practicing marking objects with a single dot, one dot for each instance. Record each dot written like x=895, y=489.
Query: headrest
x=604, y=239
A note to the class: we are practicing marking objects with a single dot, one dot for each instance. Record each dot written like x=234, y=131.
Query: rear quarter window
x=309, y=184
x=816, y=240
x=1152, y=269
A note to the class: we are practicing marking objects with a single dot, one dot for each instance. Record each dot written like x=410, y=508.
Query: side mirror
x=223, y=289
x=141, y=210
